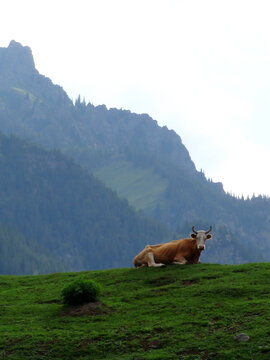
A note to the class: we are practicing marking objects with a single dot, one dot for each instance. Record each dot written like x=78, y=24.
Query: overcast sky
x=199, y=67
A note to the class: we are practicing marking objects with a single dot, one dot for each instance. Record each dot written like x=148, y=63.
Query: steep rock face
x=142, y=133
x=125, y=133
x=18, y=74
x=17, y=60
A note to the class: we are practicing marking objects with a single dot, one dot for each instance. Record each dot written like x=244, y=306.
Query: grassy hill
x=142, y=187
x=178, y=312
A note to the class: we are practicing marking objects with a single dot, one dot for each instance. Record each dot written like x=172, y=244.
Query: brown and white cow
x=183, y=251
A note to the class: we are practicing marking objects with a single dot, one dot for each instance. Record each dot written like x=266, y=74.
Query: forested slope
x=55, y=216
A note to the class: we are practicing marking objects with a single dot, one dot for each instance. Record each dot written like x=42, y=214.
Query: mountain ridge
x=101, y=140
x=94, y=136
x=127, y=120
x=18, y=70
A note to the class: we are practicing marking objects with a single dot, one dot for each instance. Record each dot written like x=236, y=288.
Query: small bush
x=80, y=292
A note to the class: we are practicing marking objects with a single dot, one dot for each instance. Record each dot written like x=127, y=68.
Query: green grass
x=178, y=312
x=142, y=187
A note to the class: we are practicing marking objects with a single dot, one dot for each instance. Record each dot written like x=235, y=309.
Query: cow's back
x=165, y=253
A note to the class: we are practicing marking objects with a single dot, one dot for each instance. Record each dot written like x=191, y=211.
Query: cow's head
x=201, y=236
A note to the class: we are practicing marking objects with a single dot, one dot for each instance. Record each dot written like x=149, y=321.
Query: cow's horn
x=208, y=231
x=195, y=232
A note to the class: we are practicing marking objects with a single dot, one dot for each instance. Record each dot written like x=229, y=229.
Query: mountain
x=18, y=74
x=54, y=216
x=143, y=162
x=120, y=142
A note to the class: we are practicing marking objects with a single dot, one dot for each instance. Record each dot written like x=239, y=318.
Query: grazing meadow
x=177, y=312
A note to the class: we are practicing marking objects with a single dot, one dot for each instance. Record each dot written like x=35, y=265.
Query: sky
x=201, y=68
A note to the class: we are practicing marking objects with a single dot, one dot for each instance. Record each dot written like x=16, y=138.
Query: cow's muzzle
x=201, y=247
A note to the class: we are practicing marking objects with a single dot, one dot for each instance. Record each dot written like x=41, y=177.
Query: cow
x=182, y=251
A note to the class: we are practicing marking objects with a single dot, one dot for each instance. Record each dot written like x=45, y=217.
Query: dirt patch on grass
x=149, y=343
x=197, y=354
x=86, y=342
x=125, y=300
x=53, y=301
x=44, y=347
x=190, y=282
x=214, y=320
x=190, y=352
x=90, y=309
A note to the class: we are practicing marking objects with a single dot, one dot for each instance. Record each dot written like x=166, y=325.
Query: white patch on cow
x=201, y=238
x=152, y=262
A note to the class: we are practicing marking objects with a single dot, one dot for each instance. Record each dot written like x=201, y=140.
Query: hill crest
x=178, y=312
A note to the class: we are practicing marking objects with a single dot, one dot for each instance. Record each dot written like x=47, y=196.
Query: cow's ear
x=193, y=236
x=208, y=236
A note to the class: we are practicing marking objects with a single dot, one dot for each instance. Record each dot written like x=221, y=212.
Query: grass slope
x=178, y=312
x=141, y=186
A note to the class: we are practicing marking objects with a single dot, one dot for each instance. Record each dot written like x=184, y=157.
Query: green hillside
x=178, y=312
x=142, y=187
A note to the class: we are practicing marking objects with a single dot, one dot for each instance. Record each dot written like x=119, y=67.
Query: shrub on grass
x=80, y=292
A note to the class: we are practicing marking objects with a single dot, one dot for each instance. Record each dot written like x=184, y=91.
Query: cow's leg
x=179, y=260
x=151, y=260
x=196, y=259
x=140, y=266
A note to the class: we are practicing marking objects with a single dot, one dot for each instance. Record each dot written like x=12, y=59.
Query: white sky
x=200, y=67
